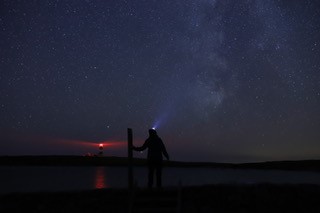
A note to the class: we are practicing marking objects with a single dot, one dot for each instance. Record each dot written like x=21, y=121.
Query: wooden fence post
x=130, y=169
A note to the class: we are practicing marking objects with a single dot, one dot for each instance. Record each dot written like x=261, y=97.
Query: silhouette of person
x=156, y=150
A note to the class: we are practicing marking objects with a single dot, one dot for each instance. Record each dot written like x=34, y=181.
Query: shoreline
x=303, y=165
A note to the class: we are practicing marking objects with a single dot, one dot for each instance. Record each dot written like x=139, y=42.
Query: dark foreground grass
x=209, y=198
x=252, y=198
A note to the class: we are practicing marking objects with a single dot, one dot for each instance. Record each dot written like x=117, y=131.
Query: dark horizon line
x=76, y=160
x=114, y=156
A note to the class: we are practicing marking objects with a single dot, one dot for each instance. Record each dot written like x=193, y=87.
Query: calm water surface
x=37, y=178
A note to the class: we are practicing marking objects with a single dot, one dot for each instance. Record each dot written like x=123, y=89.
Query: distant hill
x=310, y=165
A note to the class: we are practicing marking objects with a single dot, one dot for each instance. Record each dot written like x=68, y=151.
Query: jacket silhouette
x=156, y=150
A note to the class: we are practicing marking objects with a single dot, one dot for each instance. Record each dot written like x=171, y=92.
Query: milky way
x=227, y=81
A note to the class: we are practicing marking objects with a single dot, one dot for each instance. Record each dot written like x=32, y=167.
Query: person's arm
x=141, y=148
x=164, y=151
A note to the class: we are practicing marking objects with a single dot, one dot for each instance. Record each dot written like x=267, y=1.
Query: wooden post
x=130, y=170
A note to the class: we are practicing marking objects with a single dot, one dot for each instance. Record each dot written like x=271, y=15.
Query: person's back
x=156, y=148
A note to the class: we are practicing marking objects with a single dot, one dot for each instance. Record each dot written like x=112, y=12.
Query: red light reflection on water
x=100, y=179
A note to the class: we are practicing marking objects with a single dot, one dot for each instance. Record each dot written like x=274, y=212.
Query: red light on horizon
x=100, y=144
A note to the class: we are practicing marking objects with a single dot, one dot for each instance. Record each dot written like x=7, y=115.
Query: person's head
x=152, y=132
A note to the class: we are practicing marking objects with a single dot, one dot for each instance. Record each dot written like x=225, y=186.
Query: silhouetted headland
x=309, y=165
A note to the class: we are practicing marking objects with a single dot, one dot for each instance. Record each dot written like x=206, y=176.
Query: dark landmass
x=309, y=165
x=260, y=198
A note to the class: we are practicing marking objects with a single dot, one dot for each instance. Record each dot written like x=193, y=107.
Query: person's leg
x=150, y=175
x=159, y=175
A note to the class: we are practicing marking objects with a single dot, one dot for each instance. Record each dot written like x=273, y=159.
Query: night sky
x=223, y=81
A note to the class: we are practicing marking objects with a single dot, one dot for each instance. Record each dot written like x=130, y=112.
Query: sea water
x=65, y=178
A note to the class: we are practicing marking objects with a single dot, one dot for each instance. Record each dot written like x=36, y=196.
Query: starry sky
x=220, y=80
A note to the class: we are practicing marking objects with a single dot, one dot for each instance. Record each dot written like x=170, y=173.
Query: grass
x=224, y=198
